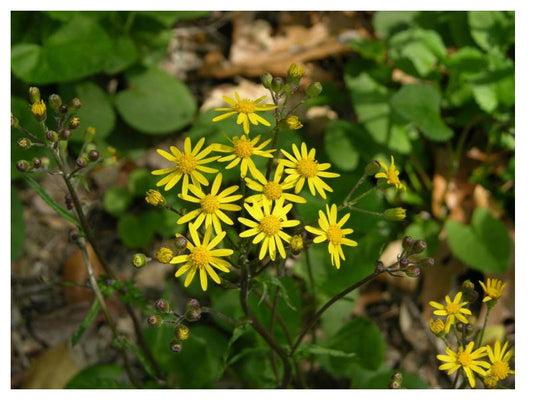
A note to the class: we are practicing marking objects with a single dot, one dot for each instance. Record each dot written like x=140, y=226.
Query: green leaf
x=18, y=225
x=117, y=200
x=427, y=230
x=50, y=201
x=79, y=48
x=168, y=18
x=305, y=351
x=368, y=48
x=133, y=232
x=483, y=245
x=156, y=103
x=339, y=148
x=467, y=60
x=420, y=104
x=491, y=29
x=99, y=377
x=140, y=181
x=386, y=23
x=238, y=331
x=124, y=53
x=140, y=356
x=91, y=315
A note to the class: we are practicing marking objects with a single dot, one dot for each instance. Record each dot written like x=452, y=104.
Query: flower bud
x=45, y=162
x=407, y=243
x=413, y=271
x=427, y=262
x=38, y=109
x=65, y=134
x=296, y=244
x=94, y=155
x=395, y=214
x=404, y=262
x=54, y=100
x=490, y=381
x=73, y=235
x=74, y=104
x=193, y=315
x=138, y=260
x=380, y=266
x=181, y=243
x=69, y=202
x=277, y=84
x=35, y=94
x=182, y=332
x=156, y=199
x=155, y=321
x=36, y=163
x=469, y=291
x=419, y=246
x=175, y=346
x=81, y=161
x=372, y=168
x=293, y=122
x=396, y=381
x=266, y=80
x=74, y=122
x=313, y=90
x=192, y=304
x=162, y=305
x=51, y=136
x=295, y=73
x=23, y=165
x=63, y=109
x=436, y=326
x=90, y=132
x=14, y=121
x=164, y=255
x=24, y=143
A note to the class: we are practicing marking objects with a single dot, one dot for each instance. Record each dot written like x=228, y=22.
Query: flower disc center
x=307, y=167
x=334, y=234
x=243, y=148
x=200, y=256
x=270, y=225
x=272, y=190
x=186, y=164
x=209, y=204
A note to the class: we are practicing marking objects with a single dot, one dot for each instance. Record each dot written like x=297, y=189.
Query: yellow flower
x=296, y=244
x=332, y=231
x=490, y=381
x=188, y=165
x=164, y=255
x=246, y=109
x=436, y=326
x=203, y=257
x=395, y=214
x=452, y=310
x=212, y=205
x=293, y=122
x=465, y=359
x=303, y=166
x=38, y=109
x=271, y=190
x=242, y=151
x=295, y=72
x=155, y=198
x=269, y=227
x=499, y=361
x=493, y=289
x=391, y=174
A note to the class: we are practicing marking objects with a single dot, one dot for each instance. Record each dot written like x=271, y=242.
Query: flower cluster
x=472, y=358
x=261, y=208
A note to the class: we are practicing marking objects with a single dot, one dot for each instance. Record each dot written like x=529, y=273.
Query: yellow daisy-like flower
x=302, y=165
x=391, y=174
x=452, y=310
x=203, y=257
x=293, y=122
x=271, y=190
x=189, y=164
x=246, y=110
x=242, y=151
x=155, y=198
x=332, y=231
x=212, y=205
x=499, y=361
x=493, y=289
x=436, y=326
x=269, y=227
x=466, y=359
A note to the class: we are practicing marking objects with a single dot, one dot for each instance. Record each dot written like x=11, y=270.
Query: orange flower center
x=307, y=167
x=500, y=369
x=209, y=204
x=464, y=358
x=200, y=256
x=334, y=234
x=452, y=308
x=186, y=164
x=270, y=225
x=245, y=106
x=272, y=190
x=243, y=148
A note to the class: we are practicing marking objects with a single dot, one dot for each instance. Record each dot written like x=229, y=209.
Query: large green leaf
x=133, y=232
x=18, y=225
x=156, y=102
x=100, y=377
x=79, y=48
x=420, y=104
x=339, y=148
x=483, y=245
x=386, y=23
x=492, y=28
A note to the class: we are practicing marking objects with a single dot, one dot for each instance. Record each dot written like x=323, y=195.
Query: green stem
x=356, y=186
x=358, y=198
x=363, y=211
x=480, y=338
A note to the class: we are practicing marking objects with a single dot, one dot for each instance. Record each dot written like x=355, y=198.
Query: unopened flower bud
x=63, y=109
x=38, y=109
x=36, y=163
x=182, y=332
x=73, y=235
x=293, y=122
x=23, y=165
x=436, y=326
x=90, y=132
x=164, y=255
x=396, y=381
x=295, y=73
x=427, y=262
x=296, y=244
x=181, y=242
x=413, y=271
x=74, y=122
x=192, y=304
x=469, y=291
x=277, y=84
x=51, y=136
x=313, y=90
x=74, y=104
x=162, y=305
x=155, y=321
x=81, y=161
x=380, y=266
x=24, y=143
x=94, y=155
x=156, y=199
x=14, y=121
x=175, y=346
x=138, y=260
x=65, y=134
x=491, y=381
x=419, y=246
x=69, y=202
x=407, y=243
x=45, y=162
x=372, y=168
x=394, y=214
x=404, y=262
x=193, y=315
x=35, y=94
x=266, y=80
x=54, y=100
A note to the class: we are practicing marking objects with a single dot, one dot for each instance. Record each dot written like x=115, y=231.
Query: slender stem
x=355, y=187
x=456, y=379
x=363, y=211
x=480, y=338
x=358, y=198
x=219, y=315
x=31, y=135
x=312, y=282
x=273, y=146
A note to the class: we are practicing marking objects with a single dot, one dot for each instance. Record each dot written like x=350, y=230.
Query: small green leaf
x=91, y=315
x=483, y=245
x=492, y=28
x=339, y=148
x=99, y=377
x=133, y=232
x=386, y=23
x=117, y=200
x=420, y=104
x=140, y=181
x=50, y=201
x=18, y=225
x=156, y=103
